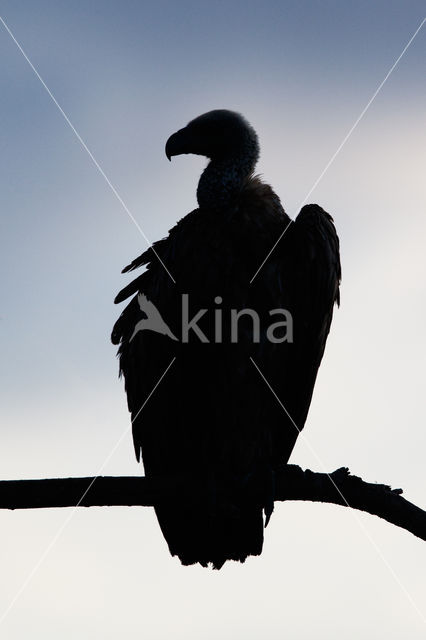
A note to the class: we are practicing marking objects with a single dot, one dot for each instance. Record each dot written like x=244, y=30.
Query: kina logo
x=153, y=320
x=277, y=331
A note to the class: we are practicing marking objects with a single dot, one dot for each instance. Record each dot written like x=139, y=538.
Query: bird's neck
x=222, y=180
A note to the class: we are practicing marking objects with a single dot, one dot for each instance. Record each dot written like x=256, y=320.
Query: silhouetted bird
x=213, y=423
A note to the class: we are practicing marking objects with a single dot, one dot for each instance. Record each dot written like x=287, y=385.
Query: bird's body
x=213, y=423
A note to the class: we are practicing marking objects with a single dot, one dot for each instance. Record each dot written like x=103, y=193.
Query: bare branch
x=292, y=483
x=378, y=499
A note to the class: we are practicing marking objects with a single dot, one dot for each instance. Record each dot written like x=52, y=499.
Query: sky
x=128, y=74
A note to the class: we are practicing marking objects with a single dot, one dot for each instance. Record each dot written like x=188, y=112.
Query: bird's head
x=217, y=134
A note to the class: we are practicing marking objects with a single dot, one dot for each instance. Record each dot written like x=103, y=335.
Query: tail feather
x=219, y=517
x=212, y=538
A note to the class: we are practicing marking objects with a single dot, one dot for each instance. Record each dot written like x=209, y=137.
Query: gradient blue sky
x=128, y=74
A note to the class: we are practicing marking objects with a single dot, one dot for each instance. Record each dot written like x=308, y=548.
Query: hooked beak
x=178, y=143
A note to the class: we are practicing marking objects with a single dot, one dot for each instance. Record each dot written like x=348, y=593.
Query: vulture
x=218, y=396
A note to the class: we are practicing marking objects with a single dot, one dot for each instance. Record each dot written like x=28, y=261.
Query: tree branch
x=292, y=483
